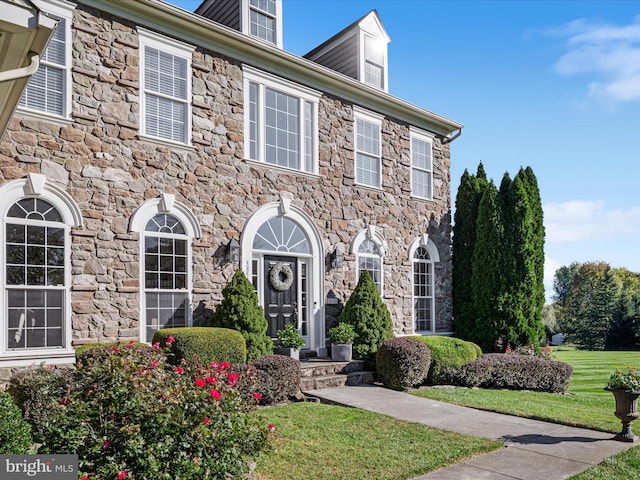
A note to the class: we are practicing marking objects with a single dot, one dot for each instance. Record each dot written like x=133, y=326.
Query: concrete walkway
x=534, y=450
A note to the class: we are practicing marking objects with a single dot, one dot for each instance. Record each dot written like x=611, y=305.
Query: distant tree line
x=498, y=260
x=596, y=306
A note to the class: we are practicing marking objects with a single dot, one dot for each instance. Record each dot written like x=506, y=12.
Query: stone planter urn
x=341, y=352
x=626, y=411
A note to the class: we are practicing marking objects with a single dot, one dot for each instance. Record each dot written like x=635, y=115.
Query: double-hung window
x=49, y=89
x=281, y=119
x=421, y=165
x=165, y=81
x=374, y=62
x=368, y=148
x=263, y=20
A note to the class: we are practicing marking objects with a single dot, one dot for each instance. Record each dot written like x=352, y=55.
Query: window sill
x=423, y=199
x=167, y=143
x=34, y=358
x=271, y=166
x=368, y=187
x=38, y=115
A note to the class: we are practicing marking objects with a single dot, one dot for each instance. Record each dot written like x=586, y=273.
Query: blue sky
x=553, y=84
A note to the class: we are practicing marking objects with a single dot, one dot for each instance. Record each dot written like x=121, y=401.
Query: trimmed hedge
x=402, y=363
x=447, y=353
x=514, y=372
x=15, y=433
x=278, y=378
x=100, y=352
x=208, y=344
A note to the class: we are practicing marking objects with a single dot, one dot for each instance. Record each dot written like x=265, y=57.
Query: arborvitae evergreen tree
x=369, y=316
x=487, y=277
x=535, y=204
x=523, y=307
x=240, y=310
x=464, y=240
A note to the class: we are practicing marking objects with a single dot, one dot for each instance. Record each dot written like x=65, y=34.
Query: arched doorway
x=281, y=254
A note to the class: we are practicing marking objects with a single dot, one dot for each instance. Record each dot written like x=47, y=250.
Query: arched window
x=423, y=255
x=35, y=275
x=422, y=291
x=166, y=229
x=35, y=271
x=370, y=249
x=165, y=274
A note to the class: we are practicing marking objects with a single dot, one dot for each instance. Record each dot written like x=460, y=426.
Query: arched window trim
x=37, y=186
x=373, y=234
x=424, y=241
x=165, y=204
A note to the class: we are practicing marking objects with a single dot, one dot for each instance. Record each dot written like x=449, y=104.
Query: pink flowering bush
x=131, y=415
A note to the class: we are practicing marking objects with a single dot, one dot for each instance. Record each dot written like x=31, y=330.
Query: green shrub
x=370, y=318
x=288, y=337
x=514, y=372
x=342, y=334
x=88, y=346
x=278, y=378
x=207, y=344
x=240, y=310
x=134, y=413
x=402, y=363
x=15, y=433
x=447, y=353
x=100, y=352
x=37, y=392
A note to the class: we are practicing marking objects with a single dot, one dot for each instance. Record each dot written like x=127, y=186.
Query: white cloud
x=583, y=221
x=612, y=52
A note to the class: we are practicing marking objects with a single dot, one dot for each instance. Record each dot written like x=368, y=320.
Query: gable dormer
x=261, y=19
x=359, y=51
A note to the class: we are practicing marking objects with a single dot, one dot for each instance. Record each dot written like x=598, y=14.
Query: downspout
x=23, y=71
x=449, y=138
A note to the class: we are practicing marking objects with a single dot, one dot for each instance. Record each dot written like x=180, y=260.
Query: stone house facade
x=156, y=151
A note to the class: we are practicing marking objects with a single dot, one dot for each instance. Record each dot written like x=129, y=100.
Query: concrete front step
x=322, y=366
x=335, y=380
x=317, y=373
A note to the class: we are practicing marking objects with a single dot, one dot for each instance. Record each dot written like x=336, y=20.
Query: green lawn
x=331, y=442
x=587, y=405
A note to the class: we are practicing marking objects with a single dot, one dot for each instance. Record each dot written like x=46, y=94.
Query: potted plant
x=289, y=341
x=625, y=386
x=342, y=337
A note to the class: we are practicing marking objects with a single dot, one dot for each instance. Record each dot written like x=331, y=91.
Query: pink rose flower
x=215, y=394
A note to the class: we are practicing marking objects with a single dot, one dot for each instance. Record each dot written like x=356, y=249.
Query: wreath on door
x=281, y=277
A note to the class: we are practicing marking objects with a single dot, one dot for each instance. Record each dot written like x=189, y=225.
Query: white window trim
x=434, y=257
x=37, y=185
x=368, y=116
x=304, y=94
x=371, y=233
x=147, y=38
x=363, y=60
x=165, y=204
x=60, y=9
x=427, y=138
x=245, y=13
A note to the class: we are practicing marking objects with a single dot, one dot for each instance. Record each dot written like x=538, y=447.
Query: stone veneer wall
x=101, y=162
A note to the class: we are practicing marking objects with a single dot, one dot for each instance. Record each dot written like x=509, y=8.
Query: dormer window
x=260, y=19
x=375, y=52
x=359, y=51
